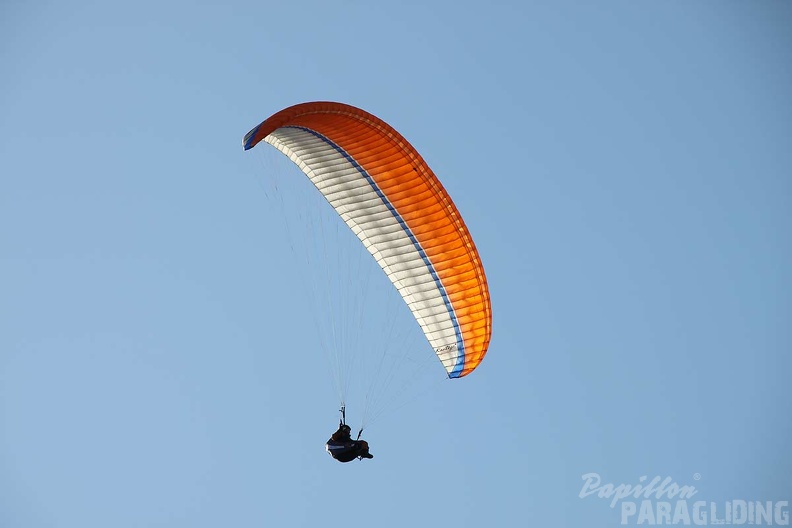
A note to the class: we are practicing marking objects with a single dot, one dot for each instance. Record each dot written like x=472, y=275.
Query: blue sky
x=624, y=168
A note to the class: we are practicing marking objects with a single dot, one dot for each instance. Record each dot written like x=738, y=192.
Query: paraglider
x=341, y=446
x=384, y=191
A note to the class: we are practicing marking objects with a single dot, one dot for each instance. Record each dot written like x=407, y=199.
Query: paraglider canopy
x=386, y=193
